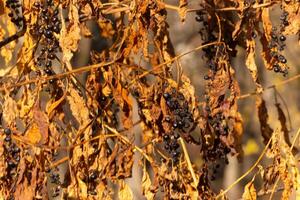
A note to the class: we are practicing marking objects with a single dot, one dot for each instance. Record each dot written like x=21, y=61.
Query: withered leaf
x=183, y=9
x=250, y=62
x=263, y=116
x=147, y=186
x=249, y=192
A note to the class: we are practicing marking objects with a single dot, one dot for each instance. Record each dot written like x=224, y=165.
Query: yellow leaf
x=34, y=135
x=249, y=192
x=125, y=192
x=146, y=185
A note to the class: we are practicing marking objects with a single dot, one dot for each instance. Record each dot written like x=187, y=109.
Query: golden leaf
x=183, y=9
x=249, y=192
x=146, y=185
x=125, y=192
x=33, y=135
x=10, y=110
x=107, y=30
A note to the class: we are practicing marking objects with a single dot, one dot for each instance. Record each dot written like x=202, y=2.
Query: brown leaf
x=147, y=186
x=263, y=116
x=282, y=119
x=250, y=63
x=41, y=120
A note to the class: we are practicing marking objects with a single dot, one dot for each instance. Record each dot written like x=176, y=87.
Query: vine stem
x=270, y=87
x=126, y=140
x=189, y=163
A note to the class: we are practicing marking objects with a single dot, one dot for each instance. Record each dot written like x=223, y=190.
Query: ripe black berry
x=166, y=95
x=7, y=131
x=282, y=38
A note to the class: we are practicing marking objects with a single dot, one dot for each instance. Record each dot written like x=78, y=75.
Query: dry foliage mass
x=73, y=139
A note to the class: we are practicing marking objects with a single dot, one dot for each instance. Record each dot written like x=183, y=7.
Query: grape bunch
x=15, y=13
x=180, y=119
x=277, y=44
x=12, y=155
x=45, y=30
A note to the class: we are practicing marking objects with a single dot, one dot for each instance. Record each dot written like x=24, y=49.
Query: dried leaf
x=183, y=9
x=250, y=63
x=147, y=185
x=263, y=116
x=249, y=191
x=125, y=192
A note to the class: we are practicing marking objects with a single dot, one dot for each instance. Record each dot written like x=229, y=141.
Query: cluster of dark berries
x=180, y=119
x=12, y=153
x=277, y=44
x=15, y=13
x=44, y=30
x=92, y=179
x=218, y=151
x=284, y=20
x=55, y=179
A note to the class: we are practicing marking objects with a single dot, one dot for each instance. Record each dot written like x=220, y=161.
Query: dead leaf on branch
x=263, y=117
x=250, y=63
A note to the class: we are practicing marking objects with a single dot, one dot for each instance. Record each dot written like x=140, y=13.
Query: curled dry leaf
x=147, y=186
x=250, y=63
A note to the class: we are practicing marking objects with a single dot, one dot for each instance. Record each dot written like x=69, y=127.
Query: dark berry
x=166, y=137
x=48, y=33
x=93, y=175
x=11, y=164
x=176, y=136
x=7, y=131
x=48, y=63
x=51, y=56
x=166, y=95
x=7, y=138
x=282, y=38
x=48, y=71
x=167, y=147
x=16, y=149
x=175, y=124
x=206, y=77
x=167, y=119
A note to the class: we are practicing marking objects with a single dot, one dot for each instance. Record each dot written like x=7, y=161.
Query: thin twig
x=270, y=87
x=188, y=160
